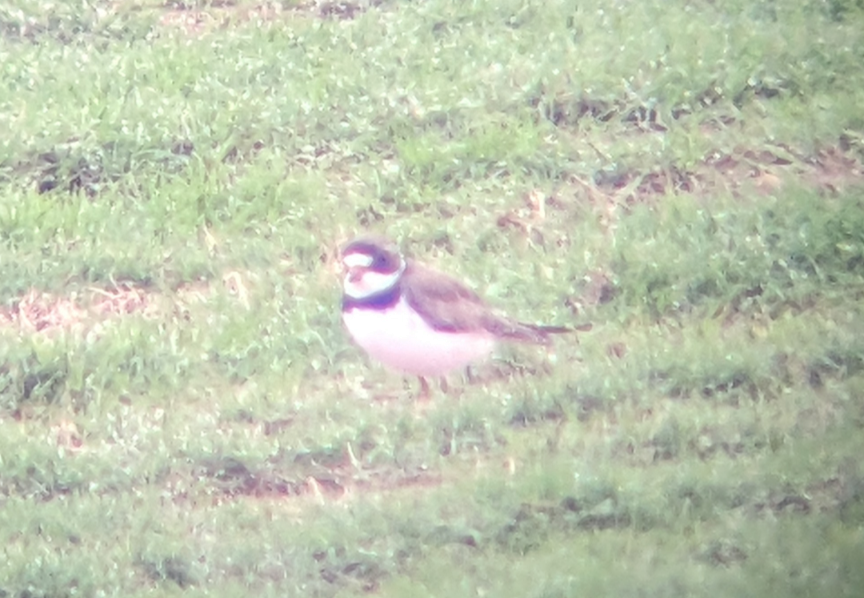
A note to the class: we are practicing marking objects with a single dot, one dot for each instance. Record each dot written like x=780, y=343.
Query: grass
x=182, y=413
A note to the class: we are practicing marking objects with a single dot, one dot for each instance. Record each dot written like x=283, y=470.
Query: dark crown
x=385, y=256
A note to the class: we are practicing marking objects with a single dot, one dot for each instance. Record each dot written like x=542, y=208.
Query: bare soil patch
x=39, y=312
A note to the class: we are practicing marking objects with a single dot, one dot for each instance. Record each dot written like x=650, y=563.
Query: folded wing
x=448, y=305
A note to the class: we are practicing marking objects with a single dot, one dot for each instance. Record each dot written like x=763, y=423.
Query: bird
x=417, y=320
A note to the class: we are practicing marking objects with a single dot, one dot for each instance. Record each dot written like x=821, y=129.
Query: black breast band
x=382, y=300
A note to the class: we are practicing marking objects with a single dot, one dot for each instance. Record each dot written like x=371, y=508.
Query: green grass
x=181, y=412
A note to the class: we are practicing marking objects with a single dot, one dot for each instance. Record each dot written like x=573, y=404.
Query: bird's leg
x=424, y=389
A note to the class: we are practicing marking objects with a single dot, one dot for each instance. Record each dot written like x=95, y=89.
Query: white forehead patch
x=357, y=260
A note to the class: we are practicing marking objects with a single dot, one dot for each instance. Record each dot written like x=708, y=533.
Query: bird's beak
x=354, y=274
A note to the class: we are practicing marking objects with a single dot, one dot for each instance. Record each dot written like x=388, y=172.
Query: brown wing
x=447, y=304
x=443, y=301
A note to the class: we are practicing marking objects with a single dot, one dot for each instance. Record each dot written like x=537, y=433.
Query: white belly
x=400, y=339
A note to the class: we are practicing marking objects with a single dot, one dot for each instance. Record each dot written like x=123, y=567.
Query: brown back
x=448, y=305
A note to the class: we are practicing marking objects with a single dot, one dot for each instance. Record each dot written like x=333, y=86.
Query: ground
x=181, y=411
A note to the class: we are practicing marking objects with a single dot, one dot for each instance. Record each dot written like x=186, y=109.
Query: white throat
x=360, y=283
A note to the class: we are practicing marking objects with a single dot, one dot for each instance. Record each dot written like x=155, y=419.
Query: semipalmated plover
x=417, y=320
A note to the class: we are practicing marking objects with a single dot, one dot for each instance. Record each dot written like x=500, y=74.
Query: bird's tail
x=534, y=333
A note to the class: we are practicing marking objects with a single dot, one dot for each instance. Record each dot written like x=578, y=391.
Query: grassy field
x=181, y=412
